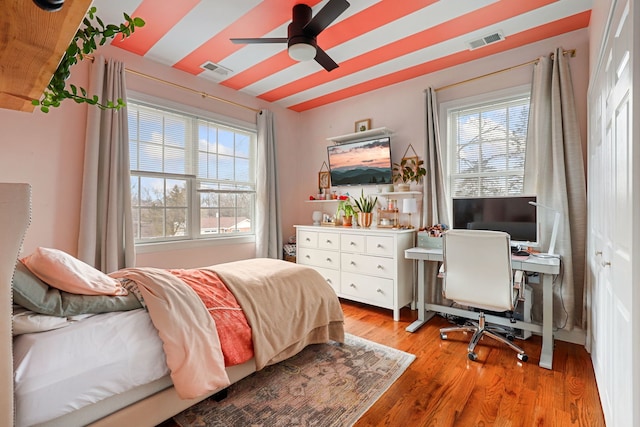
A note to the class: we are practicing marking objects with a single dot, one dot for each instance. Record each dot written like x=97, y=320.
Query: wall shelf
x=358, y=136
x=400, y=193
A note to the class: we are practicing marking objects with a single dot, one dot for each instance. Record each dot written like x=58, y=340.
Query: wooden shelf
x=33, y=42
x=400, y=193
x=357, y=136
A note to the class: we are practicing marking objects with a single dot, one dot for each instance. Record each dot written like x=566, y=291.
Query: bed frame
x=15, y=216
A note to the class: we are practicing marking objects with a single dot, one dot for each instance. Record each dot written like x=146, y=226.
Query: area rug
x=324, y=385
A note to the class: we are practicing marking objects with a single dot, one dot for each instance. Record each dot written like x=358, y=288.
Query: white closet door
x=614, y=334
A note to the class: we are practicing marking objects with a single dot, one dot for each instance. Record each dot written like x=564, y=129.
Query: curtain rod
x=571, y=52
x=202, y=94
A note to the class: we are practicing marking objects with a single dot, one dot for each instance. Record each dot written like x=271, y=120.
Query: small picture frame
x=362, y=125
x=324, y=179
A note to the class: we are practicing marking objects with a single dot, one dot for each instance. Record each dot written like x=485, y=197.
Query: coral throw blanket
x=287, y=307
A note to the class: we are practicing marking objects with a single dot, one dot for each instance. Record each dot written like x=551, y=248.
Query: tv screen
x=511, y=214
x=361, y=163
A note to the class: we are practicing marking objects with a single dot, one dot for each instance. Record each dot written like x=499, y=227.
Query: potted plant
x=86, y=40
x=347, y=210
x=410, y=169
x=365, y=205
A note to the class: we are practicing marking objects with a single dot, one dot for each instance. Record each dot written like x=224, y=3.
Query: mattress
x=60, y=371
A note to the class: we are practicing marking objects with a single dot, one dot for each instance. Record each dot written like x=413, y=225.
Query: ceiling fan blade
x=325, y=16
x=325, y=60
x=263, y=40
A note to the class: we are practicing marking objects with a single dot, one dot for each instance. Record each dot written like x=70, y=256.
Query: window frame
x=487, y=98
x=197, y=239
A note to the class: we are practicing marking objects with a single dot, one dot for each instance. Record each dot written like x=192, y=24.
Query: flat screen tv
x=511, y=214
x=361, y=163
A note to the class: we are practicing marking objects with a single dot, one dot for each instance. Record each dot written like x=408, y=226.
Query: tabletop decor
x=362, y=125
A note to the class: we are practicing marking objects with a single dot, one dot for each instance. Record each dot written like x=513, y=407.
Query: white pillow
x=64, y=272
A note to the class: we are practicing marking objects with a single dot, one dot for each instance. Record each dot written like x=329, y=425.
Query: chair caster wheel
x=472, y=356
x=510, y=337
x=523, y=357
x=443, y=336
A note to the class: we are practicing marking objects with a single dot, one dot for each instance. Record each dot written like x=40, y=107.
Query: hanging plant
x=86, y=40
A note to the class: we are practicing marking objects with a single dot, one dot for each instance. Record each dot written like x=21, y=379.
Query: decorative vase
x=317, y=217
x=364, y=219
x=404, y=187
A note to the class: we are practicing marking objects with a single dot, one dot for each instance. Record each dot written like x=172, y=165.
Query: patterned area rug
x=324, y=385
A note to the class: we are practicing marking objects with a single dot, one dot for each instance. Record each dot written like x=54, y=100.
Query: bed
x=123, y=373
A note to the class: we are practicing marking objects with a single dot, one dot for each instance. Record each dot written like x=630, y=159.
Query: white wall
x=401, y=107
x=47, y=150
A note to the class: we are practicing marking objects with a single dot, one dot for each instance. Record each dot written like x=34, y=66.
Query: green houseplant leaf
x=409, y=170
x=82, y=44
x=365, y=203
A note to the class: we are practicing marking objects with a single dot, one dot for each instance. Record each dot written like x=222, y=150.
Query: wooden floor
x=442, y=387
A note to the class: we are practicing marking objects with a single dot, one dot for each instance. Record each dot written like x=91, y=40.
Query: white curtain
x=435, y=203
x=268, y=225
x=106, y=230
x=554, y=170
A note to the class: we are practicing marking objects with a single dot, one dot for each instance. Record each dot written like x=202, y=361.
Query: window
x=487, y=143
x=191, y=177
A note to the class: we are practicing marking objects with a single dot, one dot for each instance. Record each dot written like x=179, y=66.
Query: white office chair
x=477, y=273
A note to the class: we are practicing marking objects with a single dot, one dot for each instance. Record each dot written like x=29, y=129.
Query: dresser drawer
x=319, y=258
x=369, y=265
x=352, y=243
x=307, y=239
x=332, y=277
x=380, y=245
x=329, y=241
x=375, y=290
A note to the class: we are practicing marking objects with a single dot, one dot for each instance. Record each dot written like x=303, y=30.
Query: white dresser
x=364, y=265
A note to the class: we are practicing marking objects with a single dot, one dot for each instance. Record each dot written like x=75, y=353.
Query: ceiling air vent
x=216, y=68
x=486, y=40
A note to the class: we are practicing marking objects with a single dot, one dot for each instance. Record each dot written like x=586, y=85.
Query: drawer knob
x=307, y=256
x=379, y=291
x=598, y=253
x=353, y=263
x=328, y=259
x=329, y=281
x=380, y=267
x=308, y=239
x=606, y=263
x=352, y=285
x=379, y=245
x=328, y=241
x=352, y=243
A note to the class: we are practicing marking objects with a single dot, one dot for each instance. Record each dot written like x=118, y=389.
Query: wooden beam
x=32, y=43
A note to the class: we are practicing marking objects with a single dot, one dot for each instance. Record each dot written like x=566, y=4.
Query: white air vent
x=216, y=68
x=486, y=40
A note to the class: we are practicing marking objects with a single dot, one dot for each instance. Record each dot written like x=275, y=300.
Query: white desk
x=546, y=267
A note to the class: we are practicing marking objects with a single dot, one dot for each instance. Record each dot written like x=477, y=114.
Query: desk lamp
x=409, y=206
x=554, y=230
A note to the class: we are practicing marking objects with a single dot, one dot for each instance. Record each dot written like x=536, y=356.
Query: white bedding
x=57, y=372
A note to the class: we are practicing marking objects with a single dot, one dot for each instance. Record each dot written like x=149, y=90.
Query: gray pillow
x=33, y=294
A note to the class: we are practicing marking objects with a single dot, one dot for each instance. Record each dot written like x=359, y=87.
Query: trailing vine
x=86, y=40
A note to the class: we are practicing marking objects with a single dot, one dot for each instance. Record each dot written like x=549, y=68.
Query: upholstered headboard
x=15, y=215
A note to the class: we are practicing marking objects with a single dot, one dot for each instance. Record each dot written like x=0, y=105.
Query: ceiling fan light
x=302, y=52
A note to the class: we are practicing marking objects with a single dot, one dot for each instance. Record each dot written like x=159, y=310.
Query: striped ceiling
x=376, y=42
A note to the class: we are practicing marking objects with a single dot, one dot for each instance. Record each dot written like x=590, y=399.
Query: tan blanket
x=288, y=306
x=189, y=335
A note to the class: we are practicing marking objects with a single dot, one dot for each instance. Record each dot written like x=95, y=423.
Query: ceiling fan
x=303, y=31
